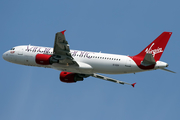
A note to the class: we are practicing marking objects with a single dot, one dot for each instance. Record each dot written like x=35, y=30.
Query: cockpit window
x=12, y=48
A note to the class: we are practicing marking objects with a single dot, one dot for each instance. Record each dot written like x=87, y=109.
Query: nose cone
x=5, y=55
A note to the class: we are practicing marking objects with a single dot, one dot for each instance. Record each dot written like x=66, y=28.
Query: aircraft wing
x=61, y=50
x=111, y=79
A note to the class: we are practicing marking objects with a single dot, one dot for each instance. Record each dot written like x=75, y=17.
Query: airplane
x=75, y=65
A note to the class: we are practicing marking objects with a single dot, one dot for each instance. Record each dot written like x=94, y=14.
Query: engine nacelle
x=69, y=77
x=43, y=59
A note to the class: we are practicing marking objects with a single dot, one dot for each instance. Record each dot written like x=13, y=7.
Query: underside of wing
x=61, y=50
x=61, y=46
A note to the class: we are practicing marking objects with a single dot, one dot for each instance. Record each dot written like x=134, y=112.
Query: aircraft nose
x=5, y=56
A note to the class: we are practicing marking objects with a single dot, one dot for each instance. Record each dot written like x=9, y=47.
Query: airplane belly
x=125, y=65
x=82, y=68
x=122, y=66
x=106, y=67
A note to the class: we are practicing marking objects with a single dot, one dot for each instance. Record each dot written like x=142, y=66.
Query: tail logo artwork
x=155, y=51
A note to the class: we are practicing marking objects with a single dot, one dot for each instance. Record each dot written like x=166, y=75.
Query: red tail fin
x=157, y=47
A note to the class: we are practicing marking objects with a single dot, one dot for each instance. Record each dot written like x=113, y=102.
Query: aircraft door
x=128, y=62
x=128, y=65
x=20, y=52
x=20, y=57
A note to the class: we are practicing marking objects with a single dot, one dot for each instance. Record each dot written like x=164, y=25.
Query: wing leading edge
x=111, y=79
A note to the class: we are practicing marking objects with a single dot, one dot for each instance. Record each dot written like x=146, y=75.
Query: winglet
x=133, y=84
x=63, y=32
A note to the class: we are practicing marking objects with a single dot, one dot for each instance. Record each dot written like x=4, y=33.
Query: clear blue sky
x=116, y=26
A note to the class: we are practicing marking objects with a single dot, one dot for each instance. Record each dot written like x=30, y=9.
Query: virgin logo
x=155, y=51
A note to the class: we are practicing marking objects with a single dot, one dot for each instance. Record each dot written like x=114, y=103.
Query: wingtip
x=133, y=84
x=63, y=32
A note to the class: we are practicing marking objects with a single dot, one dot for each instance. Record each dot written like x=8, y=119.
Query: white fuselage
x=89, y=62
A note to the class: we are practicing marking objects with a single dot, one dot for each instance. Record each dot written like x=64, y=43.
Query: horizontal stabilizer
x=167, y=70
x=148, y=60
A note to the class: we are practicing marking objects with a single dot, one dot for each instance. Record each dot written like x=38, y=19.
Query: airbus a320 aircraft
x=76, y=65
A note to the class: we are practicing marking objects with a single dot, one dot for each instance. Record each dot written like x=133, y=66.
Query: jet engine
x=44, y=59
x=69, y=77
